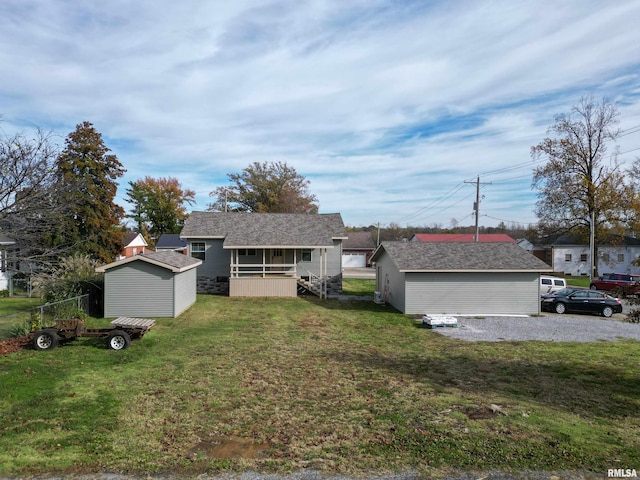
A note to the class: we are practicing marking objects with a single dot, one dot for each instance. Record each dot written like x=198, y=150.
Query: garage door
x=354, y=260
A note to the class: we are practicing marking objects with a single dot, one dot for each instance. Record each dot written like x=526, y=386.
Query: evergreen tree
x=90, y=172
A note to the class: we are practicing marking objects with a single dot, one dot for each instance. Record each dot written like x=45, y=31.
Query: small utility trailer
x=118, y=335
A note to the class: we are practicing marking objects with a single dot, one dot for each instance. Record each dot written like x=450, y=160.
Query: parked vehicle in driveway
x=581, y=300
x=624, y=283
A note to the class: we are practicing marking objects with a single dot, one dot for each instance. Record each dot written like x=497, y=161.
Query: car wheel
x=607, y=311
x=560, y=308
x=593, y=287
x=118, y=340
x=46, y=340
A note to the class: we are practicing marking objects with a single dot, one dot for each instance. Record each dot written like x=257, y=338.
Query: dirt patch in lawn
x=228, y=448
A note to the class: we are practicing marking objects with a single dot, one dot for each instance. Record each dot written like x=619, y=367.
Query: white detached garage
x=459, y=278
x=159, y=284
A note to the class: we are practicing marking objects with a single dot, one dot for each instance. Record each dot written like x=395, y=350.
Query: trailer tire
x=118, y=340
x=46, y=339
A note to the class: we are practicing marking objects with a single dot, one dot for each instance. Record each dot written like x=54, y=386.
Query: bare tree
x=581, y=188
x=30, y=203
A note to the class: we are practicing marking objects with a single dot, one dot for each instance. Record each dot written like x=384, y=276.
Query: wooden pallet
x=133, y=322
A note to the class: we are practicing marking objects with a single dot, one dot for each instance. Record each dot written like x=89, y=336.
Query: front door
x=277, y=258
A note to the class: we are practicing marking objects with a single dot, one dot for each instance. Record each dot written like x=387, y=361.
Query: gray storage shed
x=159, y=284
x=459, y=278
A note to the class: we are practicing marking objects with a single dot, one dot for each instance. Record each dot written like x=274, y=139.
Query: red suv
x=621, y=282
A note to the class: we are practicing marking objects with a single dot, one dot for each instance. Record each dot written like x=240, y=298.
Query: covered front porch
x=277, y=272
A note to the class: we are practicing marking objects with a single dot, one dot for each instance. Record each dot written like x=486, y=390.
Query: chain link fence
x=21, y=323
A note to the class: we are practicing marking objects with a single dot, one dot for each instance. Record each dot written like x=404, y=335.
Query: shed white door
x=354, y=260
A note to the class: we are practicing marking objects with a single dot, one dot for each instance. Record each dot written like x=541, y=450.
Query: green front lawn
x=342, y=387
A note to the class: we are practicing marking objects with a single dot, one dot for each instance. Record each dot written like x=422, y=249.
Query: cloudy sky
x=388, y=107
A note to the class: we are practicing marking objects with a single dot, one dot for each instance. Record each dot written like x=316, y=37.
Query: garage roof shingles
x=439, y=257
x=259, y=230
x=174, y=261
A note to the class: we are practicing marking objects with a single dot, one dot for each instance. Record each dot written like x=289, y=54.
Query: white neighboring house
x=573, y=259
x=5, y=272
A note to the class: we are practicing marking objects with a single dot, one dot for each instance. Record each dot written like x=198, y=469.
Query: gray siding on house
x=138, y=289
x=217, y=260
x=334, y=261
x=184, y=291
x=471, y=293
x=390, y=282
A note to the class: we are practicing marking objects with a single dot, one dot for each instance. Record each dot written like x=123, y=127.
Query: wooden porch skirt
x=263, y=287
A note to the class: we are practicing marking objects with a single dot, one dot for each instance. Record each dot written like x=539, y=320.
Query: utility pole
x=476, y=205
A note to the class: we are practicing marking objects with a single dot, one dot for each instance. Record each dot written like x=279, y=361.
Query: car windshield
x=565, y=291
x=634, y=278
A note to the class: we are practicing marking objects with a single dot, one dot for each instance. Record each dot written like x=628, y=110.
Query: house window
x=620, y=257
x=605, y=257
x=567, y=257
x=277, y=252
x=306, y=255
x=247, y=252
x=197, y=250
x=583, y=257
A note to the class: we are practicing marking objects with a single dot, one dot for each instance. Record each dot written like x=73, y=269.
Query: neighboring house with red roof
x=132, y=244
x=462, y=237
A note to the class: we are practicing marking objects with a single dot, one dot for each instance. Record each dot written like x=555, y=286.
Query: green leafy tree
x=579, y=182
x=159, y=205
x=266, y=187
x=89, y=173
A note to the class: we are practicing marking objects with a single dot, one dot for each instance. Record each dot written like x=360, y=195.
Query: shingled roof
x=266, y=230
x=460, y=257
x=176, y=262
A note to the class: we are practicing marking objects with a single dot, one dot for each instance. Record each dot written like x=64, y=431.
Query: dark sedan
x=581, y=301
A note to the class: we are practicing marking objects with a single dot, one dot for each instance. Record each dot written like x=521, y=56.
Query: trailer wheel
x=46, y=339
x=118, y=340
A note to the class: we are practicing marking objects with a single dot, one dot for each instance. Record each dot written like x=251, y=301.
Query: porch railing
x=262, y=269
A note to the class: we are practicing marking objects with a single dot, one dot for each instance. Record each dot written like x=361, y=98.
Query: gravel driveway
x=550, y=327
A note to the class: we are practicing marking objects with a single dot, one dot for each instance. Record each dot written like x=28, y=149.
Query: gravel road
x=549, y=327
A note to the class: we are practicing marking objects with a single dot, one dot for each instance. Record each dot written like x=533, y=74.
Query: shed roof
x=170, y=240
x=460, y=257
x=266, y=230
x=176, y=262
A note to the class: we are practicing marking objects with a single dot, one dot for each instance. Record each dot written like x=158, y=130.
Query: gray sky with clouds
x=387, y=107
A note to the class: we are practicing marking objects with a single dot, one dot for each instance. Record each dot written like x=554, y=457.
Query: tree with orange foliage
x=159, y=205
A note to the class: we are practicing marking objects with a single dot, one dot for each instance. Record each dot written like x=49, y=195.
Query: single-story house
x=171, y=242
x=462, y=237
x=157, y=284
x=453, y=278
x=133, y=243
x=266, y=254
x=357, y=249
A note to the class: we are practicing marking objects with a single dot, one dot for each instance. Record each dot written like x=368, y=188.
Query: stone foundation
x=212, y=286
